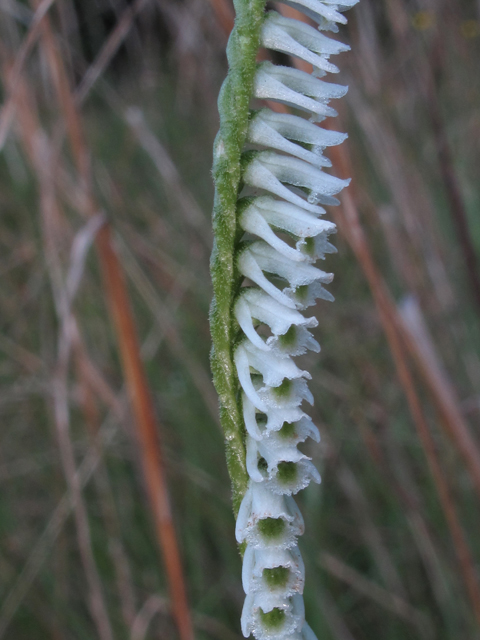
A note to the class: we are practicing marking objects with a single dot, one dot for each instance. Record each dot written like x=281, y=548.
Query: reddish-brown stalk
x=117, y=296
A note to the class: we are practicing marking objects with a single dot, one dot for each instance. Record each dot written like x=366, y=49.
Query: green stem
x=233, y=105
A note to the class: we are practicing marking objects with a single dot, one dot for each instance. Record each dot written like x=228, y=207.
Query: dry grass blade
x=155, y=605
x=41, y=160
x=8, y=110
x=453, y=191
x=137, y=386
x=109, y=49
x=350, y=226
x=199, y=374
x=385, y=599
x=103, y=485
x=45, y=542
x=124, y=324
x=369, y=531
x=167, y=169
x=423, y=351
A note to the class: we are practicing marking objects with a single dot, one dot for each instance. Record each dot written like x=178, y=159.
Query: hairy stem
x=233, y=105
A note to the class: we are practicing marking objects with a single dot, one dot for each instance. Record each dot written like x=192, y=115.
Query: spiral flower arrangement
x=270, y=185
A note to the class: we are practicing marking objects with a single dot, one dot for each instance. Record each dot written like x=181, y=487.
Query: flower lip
x=296, y=88
x=248, y=266
x=319, y=9
x=270, y=312
x=295, y=128
x=261, y=507
x=277, y=35
x=275, y=572
x=262, y=133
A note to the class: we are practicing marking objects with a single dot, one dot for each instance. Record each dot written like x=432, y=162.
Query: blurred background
x=106, y=129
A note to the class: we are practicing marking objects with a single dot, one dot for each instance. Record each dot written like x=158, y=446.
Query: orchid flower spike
x=268, y=234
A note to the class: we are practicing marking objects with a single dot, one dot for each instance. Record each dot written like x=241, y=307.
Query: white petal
x=307, y=633
x=295, y=128
x=304, y=83
x=322, y=9
x=261, y=133
x=276, y=418
x=278, y=317
x=317, y=248
x=254, y=622
x=298, y=431
x=267, y=559
x=252, y=220
x=243, y=516
x=250, y=419
x=304, y=473
x=322, y=22
x=291, y=218
x=308, y=36
x=297, y=274
x=247, y=620
x=300, y=174
x=263, y=505
x=289, y=395
x=296, y=88
x=274, y=369
x=295, y=342
x=247, y=568
x=306, y=296
x=306, y=429
x=268, y=87
x=252, y=460
x=243, y=371
x=258, y=175
x=248, y=267
x=277, y=38
x=286, y=452
x=244, y=318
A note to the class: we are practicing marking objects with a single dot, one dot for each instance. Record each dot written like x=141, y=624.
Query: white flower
x=268, y=170
x=278, y=317
x=300, y=40
x=288, y=395
x=280, y=465
x=306, y=296
x=285, y=235
x=268, y=622
x=297, y=89
x=273, y=419
x=273, y=368
x=292, y=127
x=263, y=132
x=324, y=12
x=296, y=274
x=294, y=343
x=268, y=520
x=248, y=266
x=275, y=572
x=259, y=215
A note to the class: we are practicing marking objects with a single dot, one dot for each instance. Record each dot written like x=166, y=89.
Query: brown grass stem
x=124, y=324
x=350, y=226
x=116, y=290
x=15, y=74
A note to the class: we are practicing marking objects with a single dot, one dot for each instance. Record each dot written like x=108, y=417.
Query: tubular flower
x=268, y=235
